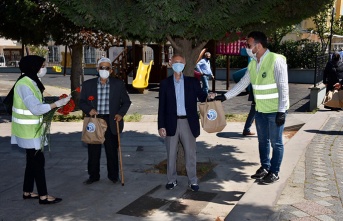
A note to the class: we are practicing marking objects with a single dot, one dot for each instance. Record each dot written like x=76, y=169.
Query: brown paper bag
x=212, y=116
x=93, y=131
x=334, y=99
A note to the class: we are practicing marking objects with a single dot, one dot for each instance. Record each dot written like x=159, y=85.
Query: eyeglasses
x=104, y=68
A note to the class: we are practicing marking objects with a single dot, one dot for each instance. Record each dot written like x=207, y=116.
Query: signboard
x=232, y=48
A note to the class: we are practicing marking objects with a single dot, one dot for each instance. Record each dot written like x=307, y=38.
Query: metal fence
x=321, y=61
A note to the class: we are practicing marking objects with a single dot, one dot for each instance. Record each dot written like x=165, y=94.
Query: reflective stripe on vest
x=24, y=121
x=265, y=87
x=21, y=111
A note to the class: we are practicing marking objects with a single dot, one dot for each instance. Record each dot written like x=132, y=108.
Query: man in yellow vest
x=267, y=72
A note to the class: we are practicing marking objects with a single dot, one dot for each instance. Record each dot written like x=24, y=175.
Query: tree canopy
x=200, y=20
x=187, y=25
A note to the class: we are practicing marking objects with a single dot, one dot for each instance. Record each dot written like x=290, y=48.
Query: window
x=89, y=55
x=54, y=54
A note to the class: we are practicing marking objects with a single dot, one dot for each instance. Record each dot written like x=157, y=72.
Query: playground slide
x=141, y=80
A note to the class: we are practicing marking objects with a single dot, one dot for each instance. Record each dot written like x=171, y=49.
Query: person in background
x=267, y=72
x=178, y=120
x=251, y=116
x=204, y=67
x=333, y=73
x=27, y=114
x=109, y=101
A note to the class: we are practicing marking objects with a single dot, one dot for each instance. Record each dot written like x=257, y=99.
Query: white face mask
x=249, y=52
x=104, y=74
x=42, y=72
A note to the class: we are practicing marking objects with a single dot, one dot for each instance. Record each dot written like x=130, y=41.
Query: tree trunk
x=76, y=72
x=191, y=53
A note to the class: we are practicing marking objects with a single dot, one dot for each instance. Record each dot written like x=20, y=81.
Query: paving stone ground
x=317, y=178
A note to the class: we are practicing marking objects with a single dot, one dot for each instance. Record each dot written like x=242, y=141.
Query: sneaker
x=194, y=187
x=170, y=186
x=270, y=178
x=260, y=173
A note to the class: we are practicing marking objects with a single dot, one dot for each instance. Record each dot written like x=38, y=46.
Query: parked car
x=13, y=63
x=2, y=61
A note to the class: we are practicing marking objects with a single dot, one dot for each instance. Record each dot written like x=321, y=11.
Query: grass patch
x=78, y=116
x=135, y=117
x=236, y=117
x=71, y=117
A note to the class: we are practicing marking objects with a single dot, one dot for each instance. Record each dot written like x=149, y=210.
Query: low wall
x=302, y=76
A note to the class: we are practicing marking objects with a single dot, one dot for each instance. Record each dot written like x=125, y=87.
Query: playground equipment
x=57, y=68
x=141, y=80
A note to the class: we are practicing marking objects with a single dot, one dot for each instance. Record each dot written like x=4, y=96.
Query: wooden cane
x=120, y=159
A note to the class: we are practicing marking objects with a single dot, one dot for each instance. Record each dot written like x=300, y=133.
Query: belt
x=103, y=116
x=181, y=117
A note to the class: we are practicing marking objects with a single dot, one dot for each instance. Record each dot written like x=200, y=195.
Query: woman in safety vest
x=27, y=115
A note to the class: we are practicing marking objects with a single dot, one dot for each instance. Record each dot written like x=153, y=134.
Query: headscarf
x=29, y=65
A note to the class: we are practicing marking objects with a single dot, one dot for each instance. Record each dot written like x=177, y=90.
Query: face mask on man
x=178, y=67
x=41, y=72
x=104, y=74
x=250, y=53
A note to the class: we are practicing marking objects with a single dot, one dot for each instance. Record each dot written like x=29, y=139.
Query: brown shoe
x=245, y=133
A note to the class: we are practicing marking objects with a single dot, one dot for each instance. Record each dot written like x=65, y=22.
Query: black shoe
x=248, y=133
x=114, y=180
x=90, y=181
x=270, y=178
x=260, y=173
x=194, y=187
x=47, y=201
x=170, y=186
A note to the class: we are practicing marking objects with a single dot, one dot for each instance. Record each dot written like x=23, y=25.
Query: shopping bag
x=212, y=116
x=334, y=99
x=197, y=75
x=93, y=131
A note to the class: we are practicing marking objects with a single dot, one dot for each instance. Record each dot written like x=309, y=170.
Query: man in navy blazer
x=178, y=120
x=107, y=98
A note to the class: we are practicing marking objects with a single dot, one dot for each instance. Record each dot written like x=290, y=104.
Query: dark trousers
x=35, y=171
x=250, y=118
x=111, y=150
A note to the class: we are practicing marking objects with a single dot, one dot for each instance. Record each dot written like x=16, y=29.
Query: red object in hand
x=69, y=107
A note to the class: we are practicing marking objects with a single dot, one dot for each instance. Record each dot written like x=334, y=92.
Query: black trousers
x=111, y=150
x=35, y=171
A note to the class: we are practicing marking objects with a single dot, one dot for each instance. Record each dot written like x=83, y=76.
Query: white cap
x=103, y=59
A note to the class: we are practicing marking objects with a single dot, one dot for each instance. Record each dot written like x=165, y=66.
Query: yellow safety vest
x=264, y=85
x=24, y=123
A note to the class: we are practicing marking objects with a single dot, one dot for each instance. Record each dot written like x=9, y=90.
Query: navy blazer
x=167, y=112
x=119, y=100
